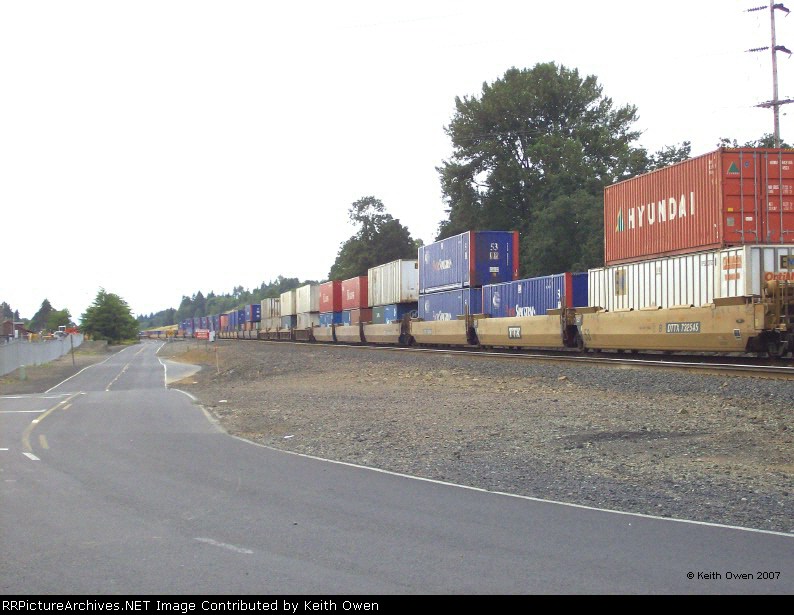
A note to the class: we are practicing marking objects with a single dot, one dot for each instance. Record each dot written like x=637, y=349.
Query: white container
x=288, y=303
x=308, y=319
x=271, y=324
x=307, y=298
x=271, y=308
x=690, y=279
x=394, y=282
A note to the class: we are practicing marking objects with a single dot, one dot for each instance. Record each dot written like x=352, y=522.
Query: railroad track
x=725, y=365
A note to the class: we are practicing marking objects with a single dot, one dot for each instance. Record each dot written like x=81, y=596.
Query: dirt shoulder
x=39, y=378
x=665, y=443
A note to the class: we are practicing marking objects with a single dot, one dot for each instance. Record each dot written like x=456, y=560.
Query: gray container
x=394, y=282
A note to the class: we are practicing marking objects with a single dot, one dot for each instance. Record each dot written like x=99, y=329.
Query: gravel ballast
x=668, y=443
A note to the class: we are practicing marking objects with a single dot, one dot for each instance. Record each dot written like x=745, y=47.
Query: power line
x=775, y=103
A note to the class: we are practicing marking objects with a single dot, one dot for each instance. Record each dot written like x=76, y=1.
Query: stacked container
x=393, y=289
x=355, y=300
x=307, y=306
x=331, y=303
x=452, y=272
x=253, y=316
x=289, y=312
x=535, y=296
x=271, y=314
x=715, y=226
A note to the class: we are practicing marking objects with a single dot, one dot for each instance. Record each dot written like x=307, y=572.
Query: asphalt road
x=113, y=483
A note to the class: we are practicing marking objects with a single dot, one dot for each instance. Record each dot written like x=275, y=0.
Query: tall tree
x=6, y=311
x=532, y=137
x=380, y=239
x=109, y=318
x=39, y=320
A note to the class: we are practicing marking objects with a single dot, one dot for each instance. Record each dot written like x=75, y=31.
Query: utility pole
x=775, y=103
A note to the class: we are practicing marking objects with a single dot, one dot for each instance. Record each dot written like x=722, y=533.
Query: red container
x=331, y=296
x=361, y=315
x=729, y=197
x=354, y=293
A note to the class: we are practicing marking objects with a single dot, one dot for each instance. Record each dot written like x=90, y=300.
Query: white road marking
x=224, y=545
x=31, y=456
x=3, y=449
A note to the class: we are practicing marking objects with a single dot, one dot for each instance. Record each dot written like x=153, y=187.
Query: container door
x=779, y=185
x=759, y=196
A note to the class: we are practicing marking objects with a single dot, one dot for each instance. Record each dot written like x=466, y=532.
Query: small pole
x=71, y=342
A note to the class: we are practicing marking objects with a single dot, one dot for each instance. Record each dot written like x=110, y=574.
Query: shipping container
x=271, y=324
x=729, y=197
x=331, y=296
x=253, y=312
x=271, y=308
x=330, y=318
x=240, y=318
x=690, y=279
x=397, y=311
x=307, y=298
x=394, y=282
x=450, y=304
x=290, y=321
x=534, y=296
x=379, y=315
x=471, y=259
x=354, y=317
x=354, y=293
x=308, y=319
x=224, y=322
x=288, y=303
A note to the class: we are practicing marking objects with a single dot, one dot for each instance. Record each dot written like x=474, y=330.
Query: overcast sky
x=159, y=148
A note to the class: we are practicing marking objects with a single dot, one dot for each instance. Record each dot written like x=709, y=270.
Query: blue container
x=579, y=283
x=215, y=322
x=240, y=317
x=330, y=318
x=253, y=312
x=534, y=296
x=450, y=304
x=289, y=322
x=471, y=259
x=233, y=320
x=346, y=317
x=396, y=311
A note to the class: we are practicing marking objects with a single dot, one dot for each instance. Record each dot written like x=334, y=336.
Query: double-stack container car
x=699, y=257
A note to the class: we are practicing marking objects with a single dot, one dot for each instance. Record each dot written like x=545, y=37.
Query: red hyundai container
x=331, y=296
x=354, y=293
x=729, y=197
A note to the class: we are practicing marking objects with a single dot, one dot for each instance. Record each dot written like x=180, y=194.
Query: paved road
x=114, y=484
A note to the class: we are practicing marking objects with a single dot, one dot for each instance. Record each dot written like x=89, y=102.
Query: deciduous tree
x=380, y=239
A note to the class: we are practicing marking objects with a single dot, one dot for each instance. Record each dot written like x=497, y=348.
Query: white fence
x=15, y=353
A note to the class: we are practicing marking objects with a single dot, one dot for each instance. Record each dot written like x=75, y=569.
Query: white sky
x=158, y=148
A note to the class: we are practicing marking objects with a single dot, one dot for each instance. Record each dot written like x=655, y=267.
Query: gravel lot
x=660, y=442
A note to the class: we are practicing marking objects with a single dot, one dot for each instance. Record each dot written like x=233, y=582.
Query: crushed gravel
x=668, y=443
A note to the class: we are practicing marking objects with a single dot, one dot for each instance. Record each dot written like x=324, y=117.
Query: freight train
x=699, y=258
